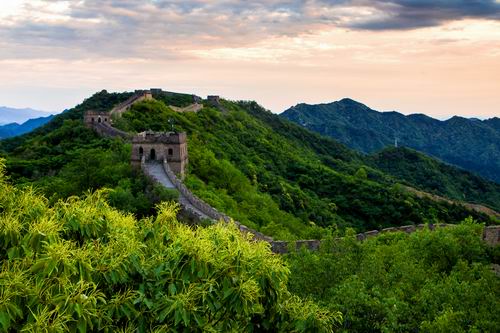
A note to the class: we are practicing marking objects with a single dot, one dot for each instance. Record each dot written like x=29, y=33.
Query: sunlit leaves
x=80, y=266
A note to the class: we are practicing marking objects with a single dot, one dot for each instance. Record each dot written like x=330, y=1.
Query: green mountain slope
x=310, y=176
x=469, y=143
x=412, y=167
x=262, y=170
x=65, y=158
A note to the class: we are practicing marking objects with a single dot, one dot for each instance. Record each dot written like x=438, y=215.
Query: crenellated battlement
x=160, y=137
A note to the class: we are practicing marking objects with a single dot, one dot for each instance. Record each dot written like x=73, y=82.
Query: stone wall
x=208, y=210
x=491, y=235
x=140, y=95
x=104, y=129
x=213, y=100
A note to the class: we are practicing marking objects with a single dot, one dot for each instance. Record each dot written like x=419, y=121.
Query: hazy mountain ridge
x=14, y=129
x=472, y=144
x=10, y=115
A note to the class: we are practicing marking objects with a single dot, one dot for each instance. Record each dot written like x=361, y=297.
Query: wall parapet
x=206, y=209
x=104, y=129
x=139, y=95
x=491, y=235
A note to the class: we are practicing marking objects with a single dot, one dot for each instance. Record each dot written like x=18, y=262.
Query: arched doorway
x=99, y=120
x=152, y=155
x=141, y=152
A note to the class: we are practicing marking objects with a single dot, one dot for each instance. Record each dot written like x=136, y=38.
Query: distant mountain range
x=471, y=144
x=14, y=129
x=19, y=116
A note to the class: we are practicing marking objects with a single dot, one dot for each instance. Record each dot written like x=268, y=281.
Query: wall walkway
x=104, y=129
x=195, y=107
x=139, y=96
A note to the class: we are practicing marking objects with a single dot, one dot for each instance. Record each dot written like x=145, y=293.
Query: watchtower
x=91, y=118
x=213, y=99
x=157, y=146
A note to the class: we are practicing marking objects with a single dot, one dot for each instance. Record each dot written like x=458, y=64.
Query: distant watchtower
x=91, y=118
x=213, y=100
x=157, y=146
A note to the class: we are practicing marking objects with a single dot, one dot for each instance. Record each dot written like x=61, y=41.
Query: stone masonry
x=96, y=117
x=140, y=95
x=154, y=146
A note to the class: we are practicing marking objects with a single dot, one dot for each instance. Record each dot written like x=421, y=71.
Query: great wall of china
x=160, y=171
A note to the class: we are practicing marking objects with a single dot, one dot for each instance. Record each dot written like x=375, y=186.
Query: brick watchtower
x=155, y=146
x=91, y=118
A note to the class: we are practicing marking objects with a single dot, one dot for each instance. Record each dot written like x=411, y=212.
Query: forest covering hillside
x=79, y=264
x=472, y=144
x=412, y=167
x=262, y=170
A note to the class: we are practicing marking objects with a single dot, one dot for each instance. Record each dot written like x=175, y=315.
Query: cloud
x=172, y=29
x=411, y=14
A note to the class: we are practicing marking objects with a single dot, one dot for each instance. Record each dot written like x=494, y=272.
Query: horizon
x=280, y=112
x=440, y=58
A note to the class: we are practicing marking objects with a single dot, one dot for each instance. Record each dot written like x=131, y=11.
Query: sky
x=438, y=57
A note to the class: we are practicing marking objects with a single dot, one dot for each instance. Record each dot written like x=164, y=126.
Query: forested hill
x=264, y=171
x=414, y=168
x=469, y=143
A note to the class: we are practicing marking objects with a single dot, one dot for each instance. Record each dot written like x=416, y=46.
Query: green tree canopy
x=80, y=265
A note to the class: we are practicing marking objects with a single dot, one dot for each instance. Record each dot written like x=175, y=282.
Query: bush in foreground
x=83, y=266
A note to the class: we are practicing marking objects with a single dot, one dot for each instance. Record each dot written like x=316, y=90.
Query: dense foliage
x=255, y=167
x=472, y=144
x=80, y=265
x=428, y=281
